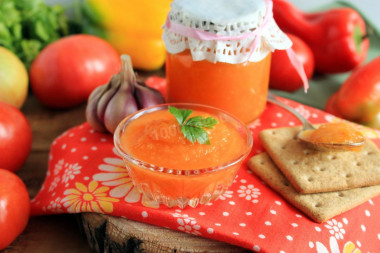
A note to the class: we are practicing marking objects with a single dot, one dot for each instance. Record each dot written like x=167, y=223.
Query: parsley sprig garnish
x=192, y=128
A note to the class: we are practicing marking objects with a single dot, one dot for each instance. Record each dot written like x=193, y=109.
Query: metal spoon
x=308, y=127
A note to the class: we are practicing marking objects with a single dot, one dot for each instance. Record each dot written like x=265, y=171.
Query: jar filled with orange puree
x=219, y=52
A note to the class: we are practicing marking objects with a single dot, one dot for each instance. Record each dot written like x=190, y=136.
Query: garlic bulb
x=121, y=96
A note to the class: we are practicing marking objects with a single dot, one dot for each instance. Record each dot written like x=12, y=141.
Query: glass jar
x=240, y=89
x=218, y=54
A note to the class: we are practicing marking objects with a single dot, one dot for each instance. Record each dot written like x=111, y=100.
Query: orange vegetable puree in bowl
x=169, y=169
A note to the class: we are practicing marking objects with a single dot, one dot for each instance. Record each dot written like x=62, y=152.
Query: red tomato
x=157, y=83
x=65, y=72
x=14, y=207
x=283, y=76
x=15, y=137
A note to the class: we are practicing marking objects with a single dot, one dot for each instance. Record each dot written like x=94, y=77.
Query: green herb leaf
x=27, y=26
x=180, y=115
x=194, y=134
x=29, y=50
x=41, y=31
x=199, y=121
x=192, y=128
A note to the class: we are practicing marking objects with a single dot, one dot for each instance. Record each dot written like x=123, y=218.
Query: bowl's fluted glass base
x=181, y=202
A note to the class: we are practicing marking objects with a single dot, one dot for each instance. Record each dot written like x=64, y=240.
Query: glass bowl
x=181, y=187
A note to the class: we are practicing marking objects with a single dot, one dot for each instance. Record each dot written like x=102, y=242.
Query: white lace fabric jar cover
x=235, y=19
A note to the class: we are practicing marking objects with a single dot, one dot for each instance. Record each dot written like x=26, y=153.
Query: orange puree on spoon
x=335, y=133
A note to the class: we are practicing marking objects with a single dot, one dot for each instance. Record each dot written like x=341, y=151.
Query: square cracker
x=311, y=171
x=320, y=207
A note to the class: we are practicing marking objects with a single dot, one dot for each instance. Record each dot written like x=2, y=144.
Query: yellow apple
x=13, y=79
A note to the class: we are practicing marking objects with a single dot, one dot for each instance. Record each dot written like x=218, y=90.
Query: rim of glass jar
x=151, y=167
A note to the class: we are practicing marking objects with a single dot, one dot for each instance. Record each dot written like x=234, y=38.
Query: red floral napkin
x=86, y=175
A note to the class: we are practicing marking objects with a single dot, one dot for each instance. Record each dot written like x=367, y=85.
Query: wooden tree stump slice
x=112, y=234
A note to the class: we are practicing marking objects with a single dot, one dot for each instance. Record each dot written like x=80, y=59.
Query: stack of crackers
x=321, y=184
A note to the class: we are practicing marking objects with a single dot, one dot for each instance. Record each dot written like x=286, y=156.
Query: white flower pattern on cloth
x=114, y=174
x=55, y=206
x=226, y=194
x=303, y=111
x=187, y=224
x=349, y=247
x=58, y=167
x=335, y=228
x=254, y=124
x=56, y=171
x=249, y=192
x=70, y=171
x=54, y=184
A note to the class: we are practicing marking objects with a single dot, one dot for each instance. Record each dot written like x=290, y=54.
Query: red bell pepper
x=337, y=37
x=358, y=99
